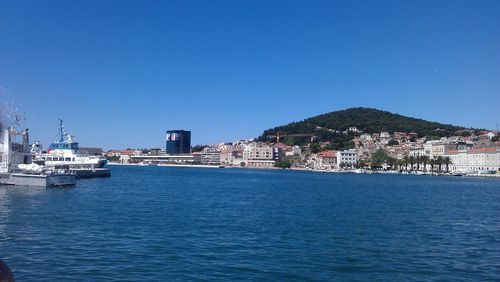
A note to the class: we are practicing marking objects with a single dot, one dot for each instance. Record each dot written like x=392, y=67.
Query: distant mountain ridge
x=329, y=126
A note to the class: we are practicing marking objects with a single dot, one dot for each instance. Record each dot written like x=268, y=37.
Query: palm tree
x=412, y=161
x=406, y=160
x=391, y=162
x=447, y=162
x=399, y=164
x=432, y=162
x=425, y=161
x=440, y=161
x=418, y=159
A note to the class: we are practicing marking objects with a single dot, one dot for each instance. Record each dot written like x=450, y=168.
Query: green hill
x=329, y=127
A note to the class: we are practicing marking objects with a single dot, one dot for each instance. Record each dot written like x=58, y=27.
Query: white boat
x=65, y=152
x=16, y=167
x=36, y=175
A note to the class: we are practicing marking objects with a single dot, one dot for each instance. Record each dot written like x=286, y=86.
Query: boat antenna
x=61, y=138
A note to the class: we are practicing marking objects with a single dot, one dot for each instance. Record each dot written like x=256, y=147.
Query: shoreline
x=494, y=176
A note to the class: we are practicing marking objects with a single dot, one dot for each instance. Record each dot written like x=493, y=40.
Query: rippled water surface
x=165, y=224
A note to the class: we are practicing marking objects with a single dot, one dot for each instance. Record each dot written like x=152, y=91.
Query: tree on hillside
x=315, y=147
x=379, y=158
x=290, y=141
x=393, y=142
x=198, y=148
x=329, y=126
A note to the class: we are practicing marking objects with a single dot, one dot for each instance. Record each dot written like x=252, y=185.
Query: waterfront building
x=118, y=153
x=124, y=159
x=178, y=142
x=434, y=148
x=261, y=155
x=227, y=157
x=187, y=159
x=349, y=157
x=437, y=148
x=210, y=156
x=477, y=160
x=327, y=159
x=416, y=151
x=258, y=151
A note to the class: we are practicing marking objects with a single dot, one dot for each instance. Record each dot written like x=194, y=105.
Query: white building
x=416, y=152
x=385, y=135
x=353, y=129
x=210, y=156
x=260, y=155
x=479, y=160
x=297, y=151
x=365, y=137
x=349, y=157
x=434, y=148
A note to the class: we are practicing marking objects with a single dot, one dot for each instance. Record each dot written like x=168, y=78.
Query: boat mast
x=61, y=139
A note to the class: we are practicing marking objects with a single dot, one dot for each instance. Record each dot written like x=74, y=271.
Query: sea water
x=170, y=224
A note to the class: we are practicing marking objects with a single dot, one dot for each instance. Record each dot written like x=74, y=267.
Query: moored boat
x=66, y=152
x=16, y=167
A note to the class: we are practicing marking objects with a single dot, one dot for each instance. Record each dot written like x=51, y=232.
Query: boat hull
x=55, y=180
x=91, y=173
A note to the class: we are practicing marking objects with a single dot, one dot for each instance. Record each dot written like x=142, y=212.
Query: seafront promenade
x=347, y=171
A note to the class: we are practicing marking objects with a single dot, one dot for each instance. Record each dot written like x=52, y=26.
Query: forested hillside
x=329, y=127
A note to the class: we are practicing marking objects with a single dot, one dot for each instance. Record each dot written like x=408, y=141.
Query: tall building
x=178, y=142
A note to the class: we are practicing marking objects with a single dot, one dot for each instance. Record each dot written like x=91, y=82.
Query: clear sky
x=120, y=73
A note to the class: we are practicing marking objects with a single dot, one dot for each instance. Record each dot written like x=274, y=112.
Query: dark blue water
x=165, y=224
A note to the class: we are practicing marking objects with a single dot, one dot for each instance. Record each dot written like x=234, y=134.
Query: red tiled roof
x=482, y=150
x=327, y=154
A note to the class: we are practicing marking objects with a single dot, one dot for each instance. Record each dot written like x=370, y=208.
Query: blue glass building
x=178, y=142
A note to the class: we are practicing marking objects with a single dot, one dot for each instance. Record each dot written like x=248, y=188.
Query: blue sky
x=120, y=73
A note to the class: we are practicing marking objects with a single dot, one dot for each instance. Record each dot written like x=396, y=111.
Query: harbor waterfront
x=153, y=223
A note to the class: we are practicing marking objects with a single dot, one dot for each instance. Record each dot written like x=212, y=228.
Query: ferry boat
x=66, y=152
